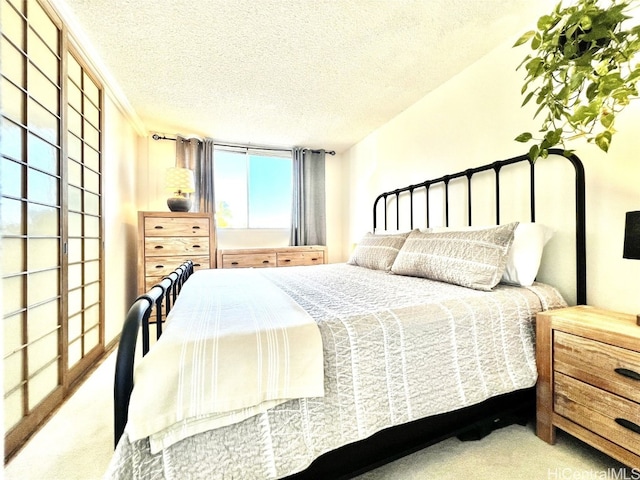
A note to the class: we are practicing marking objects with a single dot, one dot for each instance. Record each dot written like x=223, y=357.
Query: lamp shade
x=632, y=236
x=179, y=180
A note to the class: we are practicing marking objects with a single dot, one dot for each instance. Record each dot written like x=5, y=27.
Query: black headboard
x=443, y=182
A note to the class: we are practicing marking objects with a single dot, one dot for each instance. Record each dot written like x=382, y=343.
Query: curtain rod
x=155, y=136
x=328, y=152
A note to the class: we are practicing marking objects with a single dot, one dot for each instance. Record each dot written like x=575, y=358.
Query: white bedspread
x=235, y=345
x=395, y=348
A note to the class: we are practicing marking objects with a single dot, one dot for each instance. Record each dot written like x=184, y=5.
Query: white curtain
x=309, y=212
x=197, y=155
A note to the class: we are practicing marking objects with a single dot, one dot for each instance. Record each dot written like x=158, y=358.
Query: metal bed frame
x=476, y=421
x=581, y=250
x=161, y=297
x=470, y=423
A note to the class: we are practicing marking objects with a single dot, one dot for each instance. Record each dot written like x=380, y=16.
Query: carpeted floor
x=77, y=444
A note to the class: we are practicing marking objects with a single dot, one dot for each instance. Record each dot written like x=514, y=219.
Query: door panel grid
x=51, y=211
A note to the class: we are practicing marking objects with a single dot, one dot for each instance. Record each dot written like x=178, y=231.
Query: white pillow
x=525, y=253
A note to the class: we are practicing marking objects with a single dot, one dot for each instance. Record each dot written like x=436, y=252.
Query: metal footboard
x=162, y=296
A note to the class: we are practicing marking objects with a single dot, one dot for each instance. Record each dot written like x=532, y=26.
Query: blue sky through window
x=252, y=191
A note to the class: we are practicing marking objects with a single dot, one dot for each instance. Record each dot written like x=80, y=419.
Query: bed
x=410, y=351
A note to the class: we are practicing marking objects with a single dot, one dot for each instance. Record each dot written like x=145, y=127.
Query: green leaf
x=546, y=22
x=592, y=91
x=524, y=38
x=606, y=119
x=534, y=152
x=553, y=137
x=603, y=140
x=634, y=75
x=536, y=41
x=527, y=98
x=524, y=137
x=586, y=23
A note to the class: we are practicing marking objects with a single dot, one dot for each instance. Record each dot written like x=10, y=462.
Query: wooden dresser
x=272, y=257
x=589, y=379
x=166, y=239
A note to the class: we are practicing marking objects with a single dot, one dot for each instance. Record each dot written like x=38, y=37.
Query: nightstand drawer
x=256, y=260
x=601, y=412
x=610, y=368
x=164, y=246
x=290, y=259
x=176, y=226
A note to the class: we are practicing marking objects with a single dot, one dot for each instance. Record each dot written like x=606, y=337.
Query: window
x=253, y=188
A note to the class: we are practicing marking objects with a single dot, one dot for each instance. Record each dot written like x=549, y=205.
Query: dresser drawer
x=176, y=226
x=605, y=366
x=161, y=266
x=599, y=411
x=242, y=260
x=165, y=246
x=290, y=259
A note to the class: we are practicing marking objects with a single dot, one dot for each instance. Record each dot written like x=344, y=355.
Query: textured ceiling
x=316, y=73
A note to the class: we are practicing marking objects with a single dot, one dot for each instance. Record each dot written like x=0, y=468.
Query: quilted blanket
x=396, y=348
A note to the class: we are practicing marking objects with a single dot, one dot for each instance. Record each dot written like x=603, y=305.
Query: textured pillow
x=377, y=252
x=525, y=253
x=473, y=258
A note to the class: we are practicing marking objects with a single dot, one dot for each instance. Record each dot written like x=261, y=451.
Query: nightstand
x=589, y=379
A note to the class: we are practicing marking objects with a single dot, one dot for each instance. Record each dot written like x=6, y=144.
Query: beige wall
x=471, y=120
x=119, y=184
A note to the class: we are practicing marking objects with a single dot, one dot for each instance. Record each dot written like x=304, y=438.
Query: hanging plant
x=581, y=73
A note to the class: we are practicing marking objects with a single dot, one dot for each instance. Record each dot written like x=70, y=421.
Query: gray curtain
x=308, y=214
x=197, y=155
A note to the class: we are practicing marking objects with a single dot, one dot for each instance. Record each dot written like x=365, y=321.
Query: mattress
x=396, y=348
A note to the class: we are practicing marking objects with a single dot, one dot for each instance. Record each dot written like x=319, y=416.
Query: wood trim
x=15, y=438
x=64, y=215
x=544, y=396
x=615, y=451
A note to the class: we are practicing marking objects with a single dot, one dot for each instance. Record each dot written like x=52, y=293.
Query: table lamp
x=632, y=240
x=179, y=182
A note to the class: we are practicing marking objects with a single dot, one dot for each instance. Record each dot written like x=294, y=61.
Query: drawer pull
x=287, y=260
x=234, y=263
x=159, y=266
x=265, y=261
x=196, y=227
x=196, y=246
x=158, y=247
x=625, y=372
x=314, y=259
x=158, y=227
x=629, y=425
x=197, y=265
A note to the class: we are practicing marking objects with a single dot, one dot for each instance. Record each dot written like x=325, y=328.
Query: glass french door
x=50, y=217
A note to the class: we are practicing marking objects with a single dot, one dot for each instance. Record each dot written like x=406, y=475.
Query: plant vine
x=581, y=73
